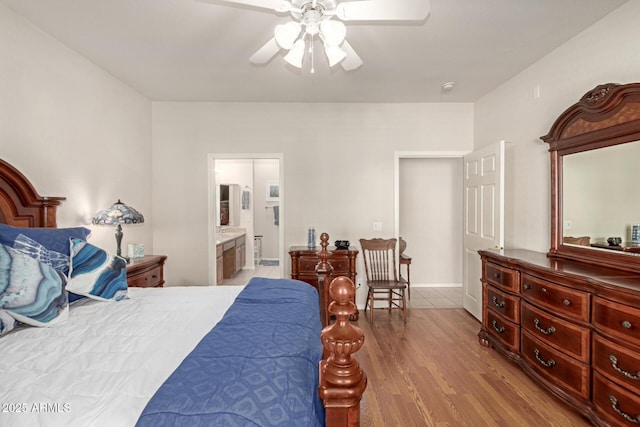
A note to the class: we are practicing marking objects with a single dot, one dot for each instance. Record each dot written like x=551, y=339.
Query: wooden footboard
x=342, y=380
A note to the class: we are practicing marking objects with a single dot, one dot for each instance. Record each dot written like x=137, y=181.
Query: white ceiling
x=187, y=50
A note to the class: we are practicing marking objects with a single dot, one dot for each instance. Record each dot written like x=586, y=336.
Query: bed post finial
x=323, y=272
x=342, y=381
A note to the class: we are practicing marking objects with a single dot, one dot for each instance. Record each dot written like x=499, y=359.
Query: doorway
x=429, y=217
x=259, y=207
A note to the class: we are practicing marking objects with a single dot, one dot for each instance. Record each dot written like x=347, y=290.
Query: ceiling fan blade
x=266, y=52
x=384, y=10
x=352, y=61
x=276, y=5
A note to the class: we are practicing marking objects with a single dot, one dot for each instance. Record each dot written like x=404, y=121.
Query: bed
x=224, y=355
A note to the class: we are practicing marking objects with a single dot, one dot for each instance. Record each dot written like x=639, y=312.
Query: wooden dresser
x=303, y=267
x=146, y=272
x=304, y=261
x=572, y=326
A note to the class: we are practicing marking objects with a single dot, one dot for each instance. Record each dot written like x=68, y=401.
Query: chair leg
x=404, y=308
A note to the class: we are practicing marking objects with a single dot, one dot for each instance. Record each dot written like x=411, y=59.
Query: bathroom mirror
x=594, y=148
x=228, y=199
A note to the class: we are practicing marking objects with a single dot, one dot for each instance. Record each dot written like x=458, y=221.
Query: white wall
x=605, y=52
x=73, y=130
x=338, y=166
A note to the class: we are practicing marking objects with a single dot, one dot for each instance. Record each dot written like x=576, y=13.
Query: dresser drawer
x=617, y=319
x=559, y=299
x=146, y=272
x=616, y=362
x=502, y=277
x=556, y=367
x=307, y=264
x=503, y=303
x=506, y=332
x=565, y=336
x=617, y=405
x=146, y=279
x=340, y=265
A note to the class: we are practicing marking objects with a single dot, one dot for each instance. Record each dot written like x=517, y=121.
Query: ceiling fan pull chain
x=311, y=52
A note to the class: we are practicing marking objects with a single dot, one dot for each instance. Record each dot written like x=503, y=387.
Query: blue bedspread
x=257, y=367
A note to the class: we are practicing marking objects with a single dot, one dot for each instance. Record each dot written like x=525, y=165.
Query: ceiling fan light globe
x=334, y=54
x=286, y=34
x=333, y=32
x=296, y=54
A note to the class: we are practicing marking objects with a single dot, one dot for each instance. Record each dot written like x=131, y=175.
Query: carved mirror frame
x=605, y=116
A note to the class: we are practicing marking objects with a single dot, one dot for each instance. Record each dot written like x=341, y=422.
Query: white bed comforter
x=101, y=366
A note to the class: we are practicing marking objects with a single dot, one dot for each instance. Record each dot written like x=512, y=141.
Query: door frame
x=212, y=208
x=397, y=156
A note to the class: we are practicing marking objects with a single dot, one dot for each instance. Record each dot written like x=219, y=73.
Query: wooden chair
x=380, y=265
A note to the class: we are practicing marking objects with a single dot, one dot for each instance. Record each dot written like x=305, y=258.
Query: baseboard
x=436, y=285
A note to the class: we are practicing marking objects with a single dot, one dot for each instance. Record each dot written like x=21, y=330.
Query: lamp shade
x=334, y=54
x=295, y=55
x=333, y=32
x=118, y=213
x=286, y=34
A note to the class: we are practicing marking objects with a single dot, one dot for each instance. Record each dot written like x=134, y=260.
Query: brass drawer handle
x=566, y=302
x=496, y=276
x=547, y=331
x=551, y=363
x=500, y=329
x=496, y=303
x=614, y=405
x=526, y=286
x=626, y=324
x=543, y=290
x=614, y=364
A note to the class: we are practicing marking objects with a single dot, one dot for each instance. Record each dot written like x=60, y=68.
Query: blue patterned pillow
x=54, y=239
x=30, y=291
x=7, y=323
x=30, y=247
x=96, y=274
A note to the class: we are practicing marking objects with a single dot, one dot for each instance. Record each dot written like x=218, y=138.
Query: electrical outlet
x=377, y=226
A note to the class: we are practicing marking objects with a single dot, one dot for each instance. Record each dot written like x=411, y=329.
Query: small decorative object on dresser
x=146, y=272
x=571, y=318
x=136, y=250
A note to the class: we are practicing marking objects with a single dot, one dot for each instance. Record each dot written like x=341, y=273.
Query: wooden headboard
x=20, y=203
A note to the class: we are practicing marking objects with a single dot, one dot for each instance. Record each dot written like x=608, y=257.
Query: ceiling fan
x=315, y=18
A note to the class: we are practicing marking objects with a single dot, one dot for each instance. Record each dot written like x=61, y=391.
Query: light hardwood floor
x=432, y=371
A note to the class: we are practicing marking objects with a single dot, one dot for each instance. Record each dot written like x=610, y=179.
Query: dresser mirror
x=595, y=156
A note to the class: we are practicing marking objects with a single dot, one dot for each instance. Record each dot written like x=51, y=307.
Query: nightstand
x=146, y=272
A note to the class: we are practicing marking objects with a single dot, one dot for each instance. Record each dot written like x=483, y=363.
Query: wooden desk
x=406, y=260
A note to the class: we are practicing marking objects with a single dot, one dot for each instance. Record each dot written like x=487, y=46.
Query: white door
x=483, y=217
